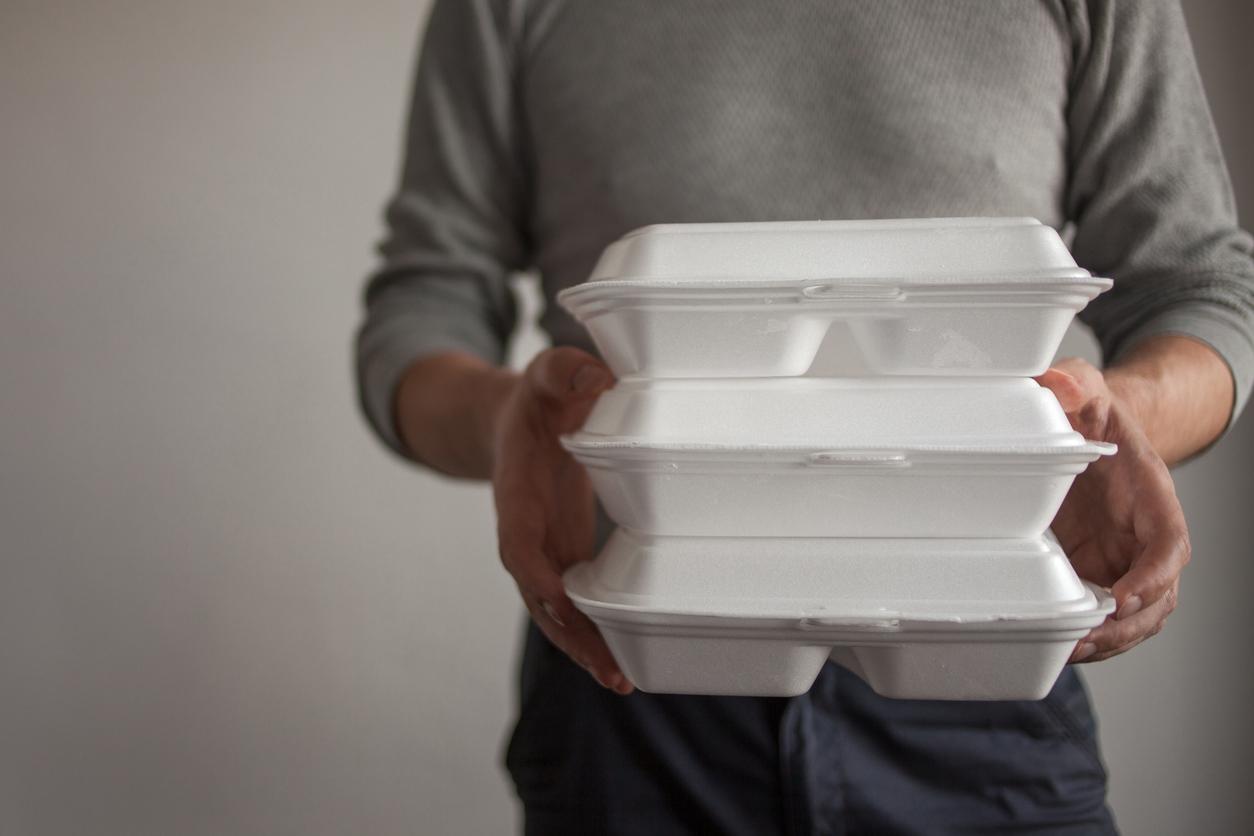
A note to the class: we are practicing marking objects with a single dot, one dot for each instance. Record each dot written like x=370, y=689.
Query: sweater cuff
x=387, y=348
x=1218, y=326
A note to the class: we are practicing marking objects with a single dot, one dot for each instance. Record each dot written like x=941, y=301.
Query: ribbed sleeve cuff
x=1218, y=326
x=386, y=348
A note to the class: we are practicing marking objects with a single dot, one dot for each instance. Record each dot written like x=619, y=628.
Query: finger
x=546, y=599
x=542, y=591
x=1116, y=636
x=1155, y=571
x=536, y=577
x=1066, y=388
x=1103, y=655
x=575, y=635
x=566, y=372
x=1074, y=381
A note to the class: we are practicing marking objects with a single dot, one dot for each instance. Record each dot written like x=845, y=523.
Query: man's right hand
x=546, y=511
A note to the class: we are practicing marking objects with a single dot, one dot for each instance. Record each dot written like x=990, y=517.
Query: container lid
x=815, y=583
x=922, y=251
x=924, y=414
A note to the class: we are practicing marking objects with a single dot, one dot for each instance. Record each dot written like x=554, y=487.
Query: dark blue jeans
x=839, y=760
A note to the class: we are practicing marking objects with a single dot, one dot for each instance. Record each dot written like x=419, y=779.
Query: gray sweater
x=541, y=130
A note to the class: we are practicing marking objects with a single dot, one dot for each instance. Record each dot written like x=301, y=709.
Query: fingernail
x=1130, y=607
x=589, y=379
x=552, y=613
x=1084, y=651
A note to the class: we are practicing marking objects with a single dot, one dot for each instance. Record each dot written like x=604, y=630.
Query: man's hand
x=546, y=511
x=1121, y=523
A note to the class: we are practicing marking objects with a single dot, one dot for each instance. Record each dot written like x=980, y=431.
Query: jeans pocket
x=542, y=745
x=1068, y=710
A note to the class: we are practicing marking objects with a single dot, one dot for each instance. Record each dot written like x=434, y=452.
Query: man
x=543, y=130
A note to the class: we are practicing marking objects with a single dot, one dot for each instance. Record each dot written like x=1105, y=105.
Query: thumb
x=567, y=373
x=1066, y=388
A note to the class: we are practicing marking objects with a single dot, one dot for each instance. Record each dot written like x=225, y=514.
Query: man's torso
x=636, y=113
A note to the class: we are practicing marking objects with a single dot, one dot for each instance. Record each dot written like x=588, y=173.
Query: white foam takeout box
x=945, y=296
x=832, y=457
x=922, y=619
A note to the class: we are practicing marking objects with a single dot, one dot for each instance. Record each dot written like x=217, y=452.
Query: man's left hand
x=1121, y=523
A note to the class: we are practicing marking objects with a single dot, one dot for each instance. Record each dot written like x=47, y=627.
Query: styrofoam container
x=969, y=296
x=832, y=457
x=922, y=619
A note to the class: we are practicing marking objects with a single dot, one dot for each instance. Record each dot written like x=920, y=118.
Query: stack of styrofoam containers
x=825, y=442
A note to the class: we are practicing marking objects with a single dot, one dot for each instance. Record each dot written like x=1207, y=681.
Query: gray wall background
x=223, y=608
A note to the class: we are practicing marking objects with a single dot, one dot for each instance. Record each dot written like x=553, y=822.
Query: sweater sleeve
x=1149, y=193
x=455, y=231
